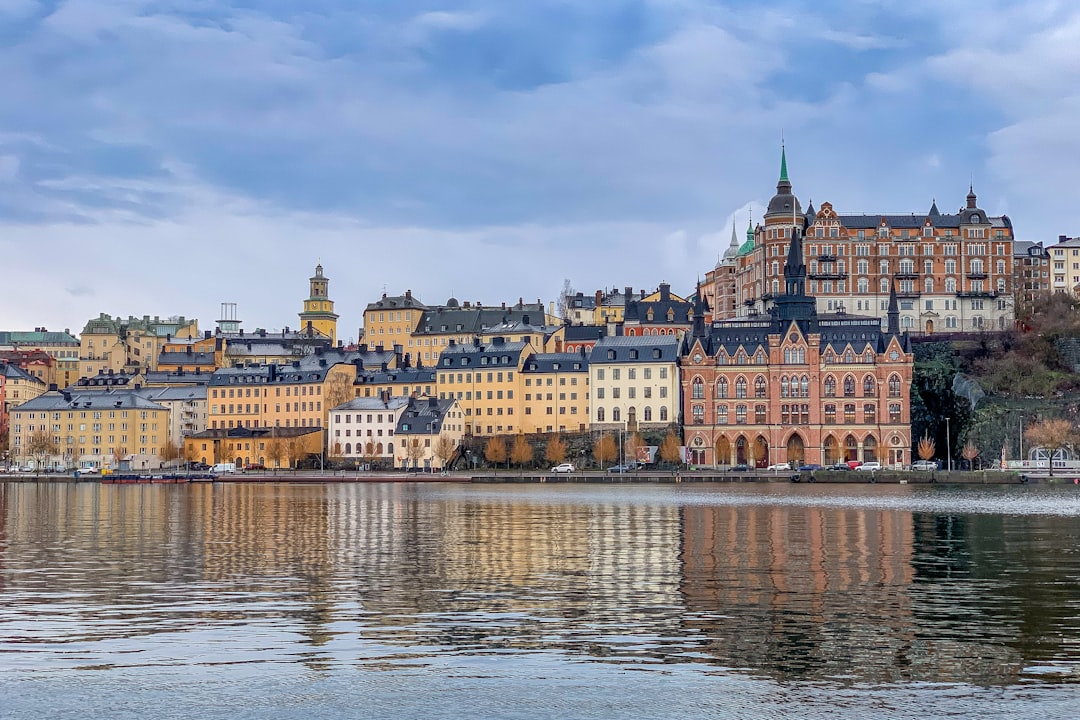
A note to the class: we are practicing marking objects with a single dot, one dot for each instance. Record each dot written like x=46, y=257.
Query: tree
x=969, y=453
x=604, y=449
x=555, y=452
x=495, y=451
x=337, y=390
x=414, y=451
x=669, y=448
x=1051, y=435
x=170, y=451
x=926, y=448
x=522, y=452
x=633, y=442
x=564, y=299
x=40, y=445
x=275, y=450
x=370, y=453
x=294, y=449
x=118, y=455
x=444, y=449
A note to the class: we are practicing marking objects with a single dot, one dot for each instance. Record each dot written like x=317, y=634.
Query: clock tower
x=318, y=316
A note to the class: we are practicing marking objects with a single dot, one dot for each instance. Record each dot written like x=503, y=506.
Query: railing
x=977, y=294
x=827, y=276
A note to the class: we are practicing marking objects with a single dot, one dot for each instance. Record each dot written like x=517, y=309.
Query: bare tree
x=275, y=450
x=564, y=299
x=555, y=453
x=170, y=451
x=371, y=456
x=294, y=449
x=444, y=449
x=1051, y=435
x=118, y=455
x=40, y=445
x=414, y=451
x=337, y=390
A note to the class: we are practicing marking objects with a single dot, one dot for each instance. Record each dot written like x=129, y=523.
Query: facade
x=462, y=323
x=555, y=392
x=270, y=447
x=797, y=386
x=363, y=429
x=1065, y=265
x=1031, y=273
x=397, y=382
x=392, y=320
x=61, y=346
x=318, y=318
x=429, y=433
x=109, y=343
x=661, y=313
x=16, y=387
x=299, y=394
x=187, y=412
x=953, y=271
x=110, y=429
x=634, y=383
x=485, y=379
x=577, y=338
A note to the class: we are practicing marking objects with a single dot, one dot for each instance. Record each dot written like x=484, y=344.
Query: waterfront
x=410, y=600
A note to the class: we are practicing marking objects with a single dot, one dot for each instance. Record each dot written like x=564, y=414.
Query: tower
x=318, y=316
x=784, y=208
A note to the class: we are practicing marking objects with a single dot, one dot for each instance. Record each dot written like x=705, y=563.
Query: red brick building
x=796, y=386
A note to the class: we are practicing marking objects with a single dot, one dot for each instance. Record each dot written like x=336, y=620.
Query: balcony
x=827, y=276
x=826, y=257
x=907, y=275
x=978, y=294
x=908, y=294
x=976, y=275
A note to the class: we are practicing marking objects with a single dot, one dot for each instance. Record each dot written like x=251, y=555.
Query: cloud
x=9, y=168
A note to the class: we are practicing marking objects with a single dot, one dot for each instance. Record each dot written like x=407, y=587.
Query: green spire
x=783, y=164
x=750, y=230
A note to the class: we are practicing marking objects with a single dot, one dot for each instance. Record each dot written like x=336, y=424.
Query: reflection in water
x=787, y=584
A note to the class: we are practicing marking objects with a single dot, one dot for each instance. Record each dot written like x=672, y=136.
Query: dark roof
x=100, y=400
x=35, y=337
x=406, y=301
x=496, y=354
x=556, y=362
x=180, y=377
x=186, y=358
x=423, y=416
x=246, y=432
x=578, y=333
x=625, y=349
x=309, y=369
x=475, y=320
x=14, y=372
x=396, y=375
x=394, y=402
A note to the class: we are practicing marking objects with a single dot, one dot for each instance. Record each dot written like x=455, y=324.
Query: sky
x=164, y=156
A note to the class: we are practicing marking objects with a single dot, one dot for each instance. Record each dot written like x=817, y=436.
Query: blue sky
x=164, y=156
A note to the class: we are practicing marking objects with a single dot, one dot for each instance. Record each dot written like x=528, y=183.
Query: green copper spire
x=783, y=164
x=750, y=229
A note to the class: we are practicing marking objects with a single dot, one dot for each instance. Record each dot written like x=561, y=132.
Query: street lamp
x=948, y=444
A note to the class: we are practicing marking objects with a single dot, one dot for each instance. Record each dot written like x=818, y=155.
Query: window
x=830, y=414
x=699, y=414
x=760, y=387
x=760, y=414
x=849, y=386
x=849, y=413
x=722, y=388
x=894, y=386
x=600, y=414
x=869, y=413
x=830, y=386
x=740, y=388
x=740, y=414
x=697, y=389
x=721, y=414
x=894, y=412
x=869, y=387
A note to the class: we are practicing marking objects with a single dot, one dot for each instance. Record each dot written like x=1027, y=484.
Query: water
x=445, y=601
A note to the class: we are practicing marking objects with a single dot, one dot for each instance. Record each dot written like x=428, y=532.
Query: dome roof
x=784, y=203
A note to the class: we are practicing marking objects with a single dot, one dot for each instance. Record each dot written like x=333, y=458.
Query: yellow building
x=486, y=381
x=556, y=393
x=62, y=346
x=429, y=433
x=392, y=320
x=461, y=323
x=18, y=386
x=396, y=382
x=318, y=316
x=110, y=429
x=109, y=343
x=272, y=448
x=299, y=394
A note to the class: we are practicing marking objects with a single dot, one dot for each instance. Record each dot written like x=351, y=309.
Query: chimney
x=665, y=292
x=524, y=319
x=408, y=294
x=206, y=334
x=521, y=302
x=599, y=297
x=504, y=306
x=629, y=292
x=66, y=395
x=433, y=402
x=53, y=387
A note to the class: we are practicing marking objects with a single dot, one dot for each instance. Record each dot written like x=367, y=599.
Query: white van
x=224, y=468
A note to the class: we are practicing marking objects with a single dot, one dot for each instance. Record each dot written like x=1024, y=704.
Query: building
x=485, y=379
x=953, y=271
x=36, y=362
x=634, y=383
x=17, y=386
x=62, y=346
x=462, y=323
x=108, y=430
x=318, y=318
x=582, y=337
x=270, y=447
x=555, y=392
x=429, y=433
x=397, y=382
x=363, y=429
x=661, y=313
x=187, y=412
x=1065, y=268
x=795, y=385
x=1031, y=274
x=392, y=320
x=109, y=343
x=299, y=394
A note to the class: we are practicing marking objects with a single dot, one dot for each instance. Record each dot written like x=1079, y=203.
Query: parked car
x=871, y=466
x=621, y=468
x=809, y=467
x=852, y=464
x=741, y=467
x=924, y=465
x=88, y=471
x=779, y=466
x=563, y=468
x=255, y=466
x=838, y=466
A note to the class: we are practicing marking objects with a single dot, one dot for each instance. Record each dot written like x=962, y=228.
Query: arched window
x=869, y=387
x=616, y=415
x=830, y=386
x=348, y=448
x=663, y=413
x=721, y=388
x=699, y=414
x=849, y=386
x=784, y=387
x=648, y=414
x=740, y=387
x=760, y=387
x=600, y=414
x=698, y=388
x=884, y=286
x=805, y=386
x=894, y=386
x=721, y=414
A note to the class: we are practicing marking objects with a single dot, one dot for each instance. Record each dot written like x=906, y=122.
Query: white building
x=634, y=382
x=363, y=429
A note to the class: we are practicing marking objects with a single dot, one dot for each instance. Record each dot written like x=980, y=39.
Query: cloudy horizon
x=164, y=157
